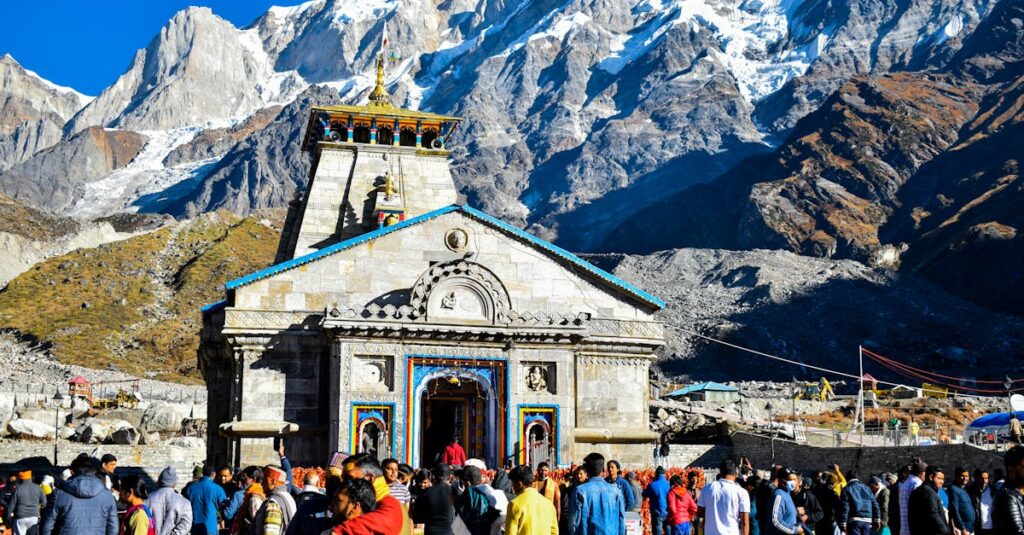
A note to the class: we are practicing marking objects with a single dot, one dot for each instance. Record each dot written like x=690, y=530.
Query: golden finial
x=379, y=97
x=389, y=186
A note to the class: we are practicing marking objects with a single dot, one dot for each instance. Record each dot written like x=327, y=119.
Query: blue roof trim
x=558, y=251
x=212, y=307
x=473, y=212
x=341, y=246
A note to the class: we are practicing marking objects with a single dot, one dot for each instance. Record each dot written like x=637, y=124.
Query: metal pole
x=56, y=432
x=860, y=391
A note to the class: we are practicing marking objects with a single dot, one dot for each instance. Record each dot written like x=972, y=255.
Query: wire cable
x=935, y=374
x=798, y=363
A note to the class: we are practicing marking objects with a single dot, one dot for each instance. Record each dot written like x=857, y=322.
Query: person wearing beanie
x=172, y=513
x=26, y=504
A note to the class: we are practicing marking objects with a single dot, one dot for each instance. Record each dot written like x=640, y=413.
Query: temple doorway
x=539, y=444
x=373, y=439
x=455, y=406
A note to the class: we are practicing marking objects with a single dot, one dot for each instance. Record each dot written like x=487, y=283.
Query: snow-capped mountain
x=199, y=69
x=32, y=111
x=579, y=114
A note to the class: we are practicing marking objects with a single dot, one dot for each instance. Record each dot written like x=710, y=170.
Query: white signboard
x=633, y=524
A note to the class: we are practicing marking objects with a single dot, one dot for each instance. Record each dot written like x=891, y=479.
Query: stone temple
x=396, y=317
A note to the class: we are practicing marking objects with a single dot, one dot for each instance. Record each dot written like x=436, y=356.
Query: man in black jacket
x=925, y=512
x=434, y=507
x=1008, y=508
x=808, y=509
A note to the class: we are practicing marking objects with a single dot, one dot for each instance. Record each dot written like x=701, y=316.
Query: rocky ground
x=25, y=363
x=688, y=421
x=815, y=311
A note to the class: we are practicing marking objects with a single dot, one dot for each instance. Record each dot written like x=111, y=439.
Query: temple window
x=429, y=136
x=385, y=136
x=361, y=134
x=407, y=137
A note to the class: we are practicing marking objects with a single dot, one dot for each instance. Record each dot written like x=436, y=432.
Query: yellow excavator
x=818, y=391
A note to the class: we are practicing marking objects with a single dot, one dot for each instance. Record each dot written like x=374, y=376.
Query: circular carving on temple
x=456, y=240
x=460, y=289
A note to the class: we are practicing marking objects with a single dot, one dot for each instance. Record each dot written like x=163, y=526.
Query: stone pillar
x=245, y=350
x=334, y=439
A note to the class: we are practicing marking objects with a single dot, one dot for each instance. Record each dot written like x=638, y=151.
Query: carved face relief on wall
x=371, y=373
x=456, y=240
x=537, y=377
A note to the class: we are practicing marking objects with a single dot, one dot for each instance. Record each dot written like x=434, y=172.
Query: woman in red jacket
x=681, y=507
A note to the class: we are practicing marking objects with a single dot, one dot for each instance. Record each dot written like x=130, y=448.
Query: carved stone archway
x=460, y=290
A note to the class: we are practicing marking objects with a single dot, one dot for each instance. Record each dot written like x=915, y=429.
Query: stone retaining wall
x=146, y=460
x=864, y=460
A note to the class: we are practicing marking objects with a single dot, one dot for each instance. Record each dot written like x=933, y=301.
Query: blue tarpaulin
x=704, y=387
x=998, y=419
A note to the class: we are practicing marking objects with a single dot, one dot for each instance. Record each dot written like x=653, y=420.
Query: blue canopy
x=998, y=419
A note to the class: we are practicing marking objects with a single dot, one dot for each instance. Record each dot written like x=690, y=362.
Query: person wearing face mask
x=353, y=499
x=858, y=509
x=808, y=510
x=782, y=515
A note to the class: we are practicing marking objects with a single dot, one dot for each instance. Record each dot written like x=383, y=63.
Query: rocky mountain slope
x=29, y=236
x=32, y=112
x=134, y=305
x=919, y=162
x=577, y=116
x=198, y=69
x=815, y=311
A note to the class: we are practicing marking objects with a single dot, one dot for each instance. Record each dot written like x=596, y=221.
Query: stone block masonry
x=864, y=460
x=148, y=461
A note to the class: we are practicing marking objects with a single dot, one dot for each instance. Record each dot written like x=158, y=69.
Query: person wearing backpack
x=138, y=519
x=472, y=505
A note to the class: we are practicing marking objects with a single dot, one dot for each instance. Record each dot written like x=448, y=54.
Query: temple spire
x=379, y=97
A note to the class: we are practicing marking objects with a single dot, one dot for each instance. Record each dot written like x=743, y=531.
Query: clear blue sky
x=87, y=44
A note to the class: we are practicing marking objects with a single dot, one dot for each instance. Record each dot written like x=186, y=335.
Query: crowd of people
x=917, y=499
x=366, y=497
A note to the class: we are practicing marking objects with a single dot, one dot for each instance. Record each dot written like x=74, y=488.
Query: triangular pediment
x=455, y=264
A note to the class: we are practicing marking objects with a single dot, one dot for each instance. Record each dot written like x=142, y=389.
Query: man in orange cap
x=278, y=509
x=26, y=504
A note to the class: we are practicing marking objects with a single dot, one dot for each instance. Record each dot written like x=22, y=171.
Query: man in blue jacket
x=596, y=507
x=656, y=495
x=206, y=497
x=858, y=509
x=615, y=478
x=961, y=508
x=83, y=505
x=782, y=517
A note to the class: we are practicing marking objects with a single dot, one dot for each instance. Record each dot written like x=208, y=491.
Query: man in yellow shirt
x=528, y=513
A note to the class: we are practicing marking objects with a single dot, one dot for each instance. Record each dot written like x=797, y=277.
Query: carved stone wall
x=612, y=391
